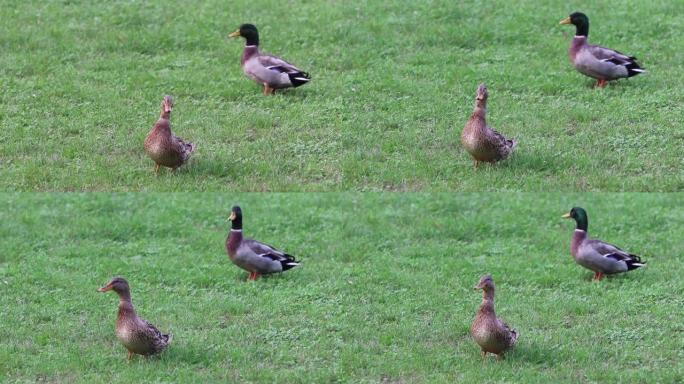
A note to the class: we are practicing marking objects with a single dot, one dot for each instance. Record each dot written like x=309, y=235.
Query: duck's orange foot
x=601, y=83
x=598, y=276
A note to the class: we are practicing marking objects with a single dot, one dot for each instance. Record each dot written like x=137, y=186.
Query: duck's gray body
x=599, y=256
x=256, y=257
x=270, y=70
x=601, y=63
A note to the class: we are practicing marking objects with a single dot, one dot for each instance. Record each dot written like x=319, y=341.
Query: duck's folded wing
x=510, y=334
x=277, y=64
x=611, y=251
x=184, y=148
x=607, y=54
x=609, y=61
x=500, y=140
x=264, y=250
x=150, y=330
x=157, y=340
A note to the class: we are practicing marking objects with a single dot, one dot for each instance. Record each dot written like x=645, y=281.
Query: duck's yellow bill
x=232, y=216
x=235, y=34
x=566, y=216
x=566, y=21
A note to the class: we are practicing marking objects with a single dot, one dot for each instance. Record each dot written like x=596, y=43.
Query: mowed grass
x=384, y=292
x=393, y=84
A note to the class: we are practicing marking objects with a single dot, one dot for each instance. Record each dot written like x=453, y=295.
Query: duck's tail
x=288, y=262
x=298, y=78
x=632, y=66
x=634, y=262
x=511, y=143
x=186, y=148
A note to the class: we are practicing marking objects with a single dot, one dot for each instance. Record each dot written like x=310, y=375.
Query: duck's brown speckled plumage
x=490, y=333
x=162, y=146
x=137, y=335
x=254, y=257
x=480, y=140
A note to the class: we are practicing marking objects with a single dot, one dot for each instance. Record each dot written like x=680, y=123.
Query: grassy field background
x=393, y=84
x=384, y=293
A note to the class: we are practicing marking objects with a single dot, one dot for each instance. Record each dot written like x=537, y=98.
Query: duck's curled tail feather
x=288, y=262
x=298, y=78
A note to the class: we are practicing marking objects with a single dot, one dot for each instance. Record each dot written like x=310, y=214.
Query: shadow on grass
x=531, y=352
x=530, y=161
x=210, y=166
x=186, y=354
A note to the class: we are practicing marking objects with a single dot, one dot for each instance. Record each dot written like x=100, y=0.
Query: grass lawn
x=393, y=84
x=384, y=293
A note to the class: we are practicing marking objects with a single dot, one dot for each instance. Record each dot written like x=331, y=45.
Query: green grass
x=384, y=293
x=393, y=84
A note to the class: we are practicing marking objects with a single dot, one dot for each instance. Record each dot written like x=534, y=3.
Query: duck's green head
x=236, y=217
x=580, y=217
x=249, y=32
x=580, y=21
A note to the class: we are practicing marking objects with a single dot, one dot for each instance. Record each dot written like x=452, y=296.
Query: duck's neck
x=235, y=236
x=165, y=115
x=582, y=223
x=248, y=52
x=163, y=125
x=582, y=30
x=125, y=306
x=578, y=238
x=576, y=45
x=480, y=109
x=487, y=305
x=251, y=39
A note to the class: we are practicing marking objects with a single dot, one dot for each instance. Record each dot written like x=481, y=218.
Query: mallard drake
x=491, y=334
x=162, y=146
x=252, y=256
x=479, y=139
x=270, y=71
x=136, y=334
x=600, y=257
x=602, y=64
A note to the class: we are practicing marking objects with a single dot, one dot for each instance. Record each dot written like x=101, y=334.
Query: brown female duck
x=136, y=334
x=480, y=140
x=162, y=146
x=490, y=333
x=254, y=257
